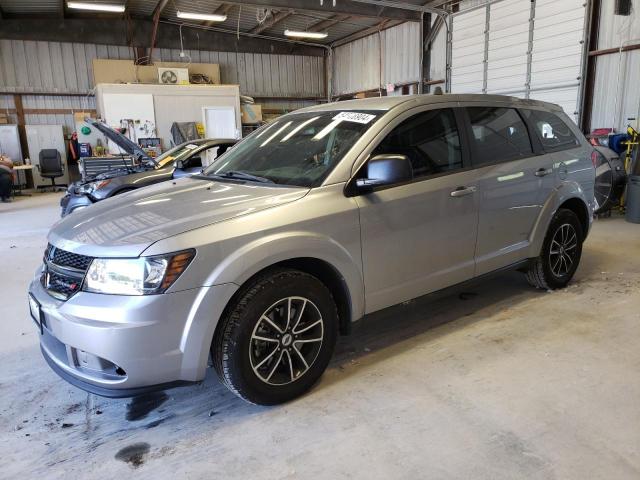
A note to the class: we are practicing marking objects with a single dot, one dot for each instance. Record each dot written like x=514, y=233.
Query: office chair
x=51, y=166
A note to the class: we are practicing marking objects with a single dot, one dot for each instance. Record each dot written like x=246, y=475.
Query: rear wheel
x=561, y=252
x=277, y=338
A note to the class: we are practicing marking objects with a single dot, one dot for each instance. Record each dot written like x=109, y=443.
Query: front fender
x=263, y=252
x=565, y=191
x=238, y=267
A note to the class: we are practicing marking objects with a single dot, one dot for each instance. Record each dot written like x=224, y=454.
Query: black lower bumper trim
x=110, y=392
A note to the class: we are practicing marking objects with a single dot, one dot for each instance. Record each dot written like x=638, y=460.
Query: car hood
x=127, y=224
x=119, y=139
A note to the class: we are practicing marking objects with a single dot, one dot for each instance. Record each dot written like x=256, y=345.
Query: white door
x=525, y=48
x=220, y=122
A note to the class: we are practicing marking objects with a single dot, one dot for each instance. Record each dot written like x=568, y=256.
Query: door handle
x=541, y=172
x=462, y=191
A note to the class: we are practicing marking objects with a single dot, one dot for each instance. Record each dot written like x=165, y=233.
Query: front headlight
x=89, y=188
x=135, y=276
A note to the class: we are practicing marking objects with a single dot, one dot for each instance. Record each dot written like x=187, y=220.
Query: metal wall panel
x=616, y=96
x=618, y=29
x=401, y=54
x=55, y=67
x=438, y=64
x=74, y=103
x=357, y=65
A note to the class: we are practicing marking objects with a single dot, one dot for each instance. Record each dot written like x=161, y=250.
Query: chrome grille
x=63, y=272
x=68, y=259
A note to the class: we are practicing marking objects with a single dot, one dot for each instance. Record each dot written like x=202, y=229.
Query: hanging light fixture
x=300, y=34
x=98, y=7
x=211, y=17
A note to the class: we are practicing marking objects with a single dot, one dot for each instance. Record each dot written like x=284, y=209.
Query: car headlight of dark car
x=89, y=188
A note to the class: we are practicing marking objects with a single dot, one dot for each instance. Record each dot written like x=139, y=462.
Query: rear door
x=419, y=236
x=514, y=179
x=559, y=138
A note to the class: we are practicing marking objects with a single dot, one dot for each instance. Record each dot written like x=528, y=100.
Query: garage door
x=521, y=48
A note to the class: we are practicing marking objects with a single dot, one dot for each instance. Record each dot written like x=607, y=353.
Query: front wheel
x=276, y=338
x=561, y=252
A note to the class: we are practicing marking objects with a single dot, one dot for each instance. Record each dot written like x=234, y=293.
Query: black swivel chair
x=51, y=166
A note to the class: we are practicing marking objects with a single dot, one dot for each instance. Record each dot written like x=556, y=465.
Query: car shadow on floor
x=383, y=331
x=187, y=413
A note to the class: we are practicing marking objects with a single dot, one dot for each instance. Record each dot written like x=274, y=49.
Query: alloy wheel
x=286, y=340
x=564, y=247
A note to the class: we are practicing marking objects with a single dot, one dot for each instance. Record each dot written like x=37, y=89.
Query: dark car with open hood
x=182, y=160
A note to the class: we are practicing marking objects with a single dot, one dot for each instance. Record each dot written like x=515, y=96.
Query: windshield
x=297, y=149
x=176, y=153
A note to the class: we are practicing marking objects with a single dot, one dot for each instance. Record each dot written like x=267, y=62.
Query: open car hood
x=119, y=139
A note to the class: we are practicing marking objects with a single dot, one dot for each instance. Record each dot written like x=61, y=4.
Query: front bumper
x=72, y=201
x=120, y=346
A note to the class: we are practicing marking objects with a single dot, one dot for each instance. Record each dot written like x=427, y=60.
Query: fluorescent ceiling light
x=212, y=17
x=99, y=7
x=316, y=35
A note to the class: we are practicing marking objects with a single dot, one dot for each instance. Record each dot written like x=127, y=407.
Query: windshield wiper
x=243, y=176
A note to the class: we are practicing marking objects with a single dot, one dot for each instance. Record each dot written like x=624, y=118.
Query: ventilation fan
x=173, y=76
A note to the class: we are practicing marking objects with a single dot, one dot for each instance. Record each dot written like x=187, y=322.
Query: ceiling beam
x=159, y=8
x=351, y=8
x=63, y=9
x=154, y=32
x=383, y=25
x=110, y=31
x=329, y=22
x=271, y=21
x=223, y=9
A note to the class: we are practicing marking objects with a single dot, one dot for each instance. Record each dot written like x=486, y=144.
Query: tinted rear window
x=500, y=135
x=553, y=132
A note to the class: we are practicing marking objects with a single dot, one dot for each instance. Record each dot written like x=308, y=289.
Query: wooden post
x=17, y=102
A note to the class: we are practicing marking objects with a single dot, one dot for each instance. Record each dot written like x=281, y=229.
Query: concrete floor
x=499, y=381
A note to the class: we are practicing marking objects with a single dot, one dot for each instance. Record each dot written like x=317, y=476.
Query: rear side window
x=553, y=132
x=500, y=135
x=430, y=140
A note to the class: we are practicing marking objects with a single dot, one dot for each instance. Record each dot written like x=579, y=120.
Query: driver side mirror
x=385, y=169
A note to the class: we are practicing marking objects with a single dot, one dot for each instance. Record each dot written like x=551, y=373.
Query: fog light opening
x=120, y=371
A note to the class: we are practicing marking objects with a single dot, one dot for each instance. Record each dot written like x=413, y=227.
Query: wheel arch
x=577, y=206
x=570, y=196
x=323, y=271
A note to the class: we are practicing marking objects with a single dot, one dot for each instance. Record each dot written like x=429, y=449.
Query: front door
x=420, y=236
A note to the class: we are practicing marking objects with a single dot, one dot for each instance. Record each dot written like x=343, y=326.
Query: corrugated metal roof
x=244, y=17
x=29, y=7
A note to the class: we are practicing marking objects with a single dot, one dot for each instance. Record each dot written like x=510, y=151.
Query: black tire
x=235, y=348
x=544, y=272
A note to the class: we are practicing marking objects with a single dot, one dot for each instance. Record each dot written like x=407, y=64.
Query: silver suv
x=311, y=223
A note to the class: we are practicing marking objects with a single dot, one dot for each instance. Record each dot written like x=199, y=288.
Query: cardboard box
x=126, y=71
x=251, y=114
x=4, y=118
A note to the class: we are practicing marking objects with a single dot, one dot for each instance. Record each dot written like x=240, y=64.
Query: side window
x=430, y=140
x=553, y=132
x=500, y=135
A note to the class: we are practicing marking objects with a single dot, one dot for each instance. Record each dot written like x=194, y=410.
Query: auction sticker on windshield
x=191, y=146
x=354, y=117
